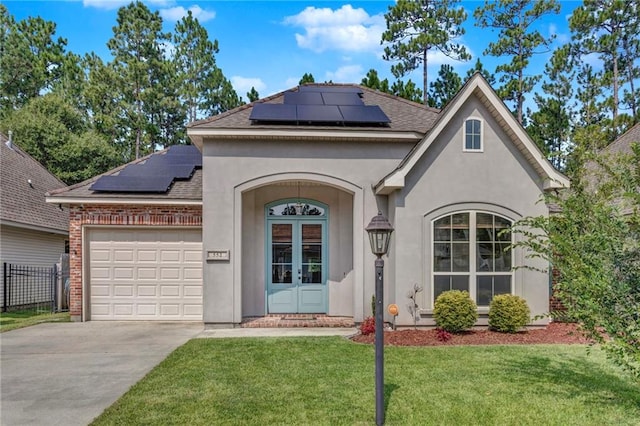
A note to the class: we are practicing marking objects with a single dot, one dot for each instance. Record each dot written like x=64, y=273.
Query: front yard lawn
x=330, y=381
x=20, y=319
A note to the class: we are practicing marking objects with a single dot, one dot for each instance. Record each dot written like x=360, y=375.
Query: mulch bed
x=554, y=333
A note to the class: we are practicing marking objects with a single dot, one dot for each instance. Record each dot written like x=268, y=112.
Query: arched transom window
x=472, y=252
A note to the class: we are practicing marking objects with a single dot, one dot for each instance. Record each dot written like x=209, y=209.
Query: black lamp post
x=379, y=230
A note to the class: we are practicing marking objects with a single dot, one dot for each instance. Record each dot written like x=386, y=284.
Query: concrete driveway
x=68, y=373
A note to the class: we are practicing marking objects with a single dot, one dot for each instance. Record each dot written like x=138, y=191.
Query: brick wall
x=117, y=215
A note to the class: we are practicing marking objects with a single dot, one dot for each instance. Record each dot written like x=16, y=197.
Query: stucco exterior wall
x=446, y=180
x=233, y=209
x=81, y=217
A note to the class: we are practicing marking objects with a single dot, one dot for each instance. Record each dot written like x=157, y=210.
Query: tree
x=609, y=28
x=202, y=86
x=514, y=20
x=306, y=78
x=57, y=135
x=408, y=90
x=593, y=244
x=30, y=59
x=479, y=67
x=253, y=94
x=137, y=50
x=445, y=87
x=550, y=125
x=416, y=27
x=372, y=81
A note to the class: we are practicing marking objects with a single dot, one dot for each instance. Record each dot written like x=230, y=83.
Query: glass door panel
x=282, y=253
x=311, y=253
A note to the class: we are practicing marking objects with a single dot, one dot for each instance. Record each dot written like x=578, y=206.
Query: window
x=471, y=251
x=473, y=135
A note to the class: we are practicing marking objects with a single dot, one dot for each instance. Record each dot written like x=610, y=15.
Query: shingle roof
x=23, y=185
x=181, y=190
x=623, y=143
x=406, y=116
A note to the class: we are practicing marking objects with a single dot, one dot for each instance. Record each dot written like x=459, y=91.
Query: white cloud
x=242, y=85
x=115, y=4
x=561, y=38
x=345, y=29
x=291, y=82
x=346, y=74
x=178, y=12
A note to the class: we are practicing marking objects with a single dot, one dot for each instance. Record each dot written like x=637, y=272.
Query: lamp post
x=379, y=230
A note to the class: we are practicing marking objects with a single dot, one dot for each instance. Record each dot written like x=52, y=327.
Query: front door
x=296, y=259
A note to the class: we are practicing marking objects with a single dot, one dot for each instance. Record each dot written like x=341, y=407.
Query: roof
x=23, y=185
x=623, y=143
x=477, y=86
x=181, y=192
x=409, y=121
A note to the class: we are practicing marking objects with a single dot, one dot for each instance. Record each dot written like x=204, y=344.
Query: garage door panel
x=145, y=274
x=192, y=274
x=147, y=255
x=123, y=273
x=147, y=291
x=192, y=291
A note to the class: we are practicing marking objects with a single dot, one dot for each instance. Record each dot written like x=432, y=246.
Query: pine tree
x=306, y=78
x=445, y=87
x=253, y=94
x=479, y=67
x=414, y=28
x=609, y=28
x=516, y=39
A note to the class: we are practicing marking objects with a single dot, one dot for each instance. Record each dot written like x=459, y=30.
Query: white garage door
x=137, y=274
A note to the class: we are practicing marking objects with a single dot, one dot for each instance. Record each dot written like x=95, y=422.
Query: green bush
x=508, y=313
x=454, y=311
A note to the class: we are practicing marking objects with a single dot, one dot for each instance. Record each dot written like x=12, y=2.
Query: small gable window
x=473, y=135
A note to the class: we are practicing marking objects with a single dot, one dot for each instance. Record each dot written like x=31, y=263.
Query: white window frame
x=473, y=247
x=464, y=135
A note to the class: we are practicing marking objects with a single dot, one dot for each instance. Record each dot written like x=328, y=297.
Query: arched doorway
x=296, y=256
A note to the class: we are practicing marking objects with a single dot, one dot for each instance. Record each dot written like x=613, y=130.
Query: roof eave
x=197, y=135
x=34, y=227
x=122, y=201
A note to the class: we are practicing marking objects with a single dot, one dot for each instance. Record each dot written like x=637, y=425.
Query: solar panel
x=183, y=150
x=303, y=98
x=175, y=159
x=177, y=171
x=363, y=114
x=132, y=184
x=273, y=112
x=319, y=113
x=335, y=98
x=330, y=89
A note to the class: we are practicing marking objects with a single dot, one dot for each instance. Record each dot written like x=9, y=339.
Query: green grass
x=330, y=381
x=19, y=319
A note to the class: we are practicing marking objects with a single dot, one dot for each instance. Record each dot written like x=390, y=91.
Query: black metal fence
x=37, y=288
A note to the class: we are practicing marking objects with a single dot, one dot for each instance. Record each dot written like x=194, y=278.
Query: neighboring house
x=32, y=232
x=274, y=221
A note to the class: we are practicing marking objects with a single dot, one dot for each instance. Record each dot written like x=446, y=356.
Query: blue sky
x=271, y=44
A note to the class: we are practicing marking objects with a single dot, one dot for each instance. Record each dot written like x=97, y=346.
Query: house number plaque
x=218, y=255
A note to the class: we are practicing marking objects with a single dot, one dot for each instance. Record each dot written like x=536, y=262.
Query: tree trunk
x=615, y=87
x=424, y=76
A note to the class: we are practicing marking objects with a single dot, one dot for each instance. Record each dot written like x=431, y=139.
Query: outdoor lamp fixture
x=379, y=230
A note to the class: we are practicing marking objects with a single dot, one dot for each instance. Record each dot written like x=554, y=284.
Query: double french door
x=296, y=266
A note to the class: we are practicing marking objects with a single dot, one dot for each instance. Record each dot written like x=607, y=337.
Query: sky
x=269, y=45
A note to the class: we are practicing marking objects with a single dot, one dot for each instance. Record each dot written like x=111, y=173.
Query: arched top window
x=473, y=134
x=296, y=207
x=472, y=251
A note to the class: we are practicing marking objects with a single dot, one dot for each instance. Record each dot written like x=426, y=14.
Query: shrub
x=443, y=335
x=368, y=326
x=454, y=311
x=508, y=313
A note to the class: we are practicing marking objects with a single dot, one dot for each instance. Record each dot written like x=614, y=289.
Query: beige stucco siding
x=246, y=175
x=447, y=180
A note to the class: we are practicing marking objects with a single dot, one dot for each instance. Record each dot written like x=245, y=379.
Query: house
x=32, y=232
x=274, y=220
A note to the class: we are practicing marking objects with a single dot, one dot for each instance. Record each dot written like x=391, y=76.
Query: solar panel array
x=156, y=174
x=335, y=105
